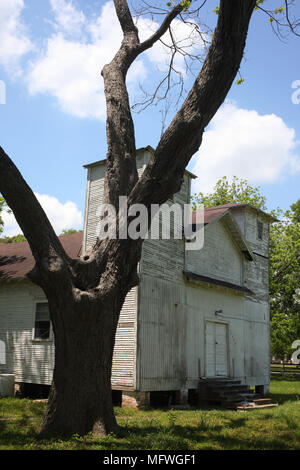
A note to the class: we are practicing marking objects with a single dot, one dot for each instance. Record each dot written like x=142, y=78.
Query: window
x=42, y=321
x=260, y=227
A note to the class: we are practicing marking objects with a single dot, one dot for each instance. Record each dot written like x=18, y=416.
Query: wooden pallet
x=248, y=407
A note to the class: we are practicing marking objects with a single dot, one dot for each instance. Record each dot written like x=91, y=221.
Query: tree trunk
x=80, y=398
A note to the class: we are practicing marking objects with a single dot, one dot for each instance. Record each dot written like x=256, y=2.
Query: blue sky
x=53, y=122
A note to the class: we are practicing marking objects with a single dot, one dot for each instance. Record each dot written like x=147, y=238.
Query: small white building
x=195, y=314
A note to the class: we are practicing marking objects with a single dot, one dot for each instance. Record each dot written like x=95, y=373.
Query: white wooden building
x=195, y=314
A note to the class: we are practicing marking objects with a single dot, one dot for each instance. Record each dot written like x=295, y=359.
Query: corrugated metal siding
x=161, y=335
x=124, y=357
x=162, y=258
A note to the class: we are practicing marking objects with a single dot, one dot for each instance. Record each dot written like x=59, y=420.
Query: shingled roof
x=16, y=259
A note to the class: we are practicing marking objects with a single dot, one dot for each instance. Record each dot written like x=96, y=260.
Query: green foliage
x=285, y=281
x=186, y=4
x=279, y=10
x=283, y=333
x=161, y=429
x=225, y=192
x=216, y=10
x=70, y=231
x=259, y=2
x=239, y=81
x=15, y=239
x=2, y=206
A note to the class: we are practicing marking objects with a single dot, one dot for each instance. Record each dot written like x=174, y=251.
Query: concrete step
x=226, y=393
x=217, y=382
x=241, y=406
x=226, y=387
x=228, y=384
x=262, y=401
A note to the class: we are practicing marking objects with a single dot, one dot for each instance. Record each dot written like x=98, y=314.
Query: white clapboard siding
x=124, y=357
x=219, y=258
x=123, y=366
x=164, y=258
x=30, y=361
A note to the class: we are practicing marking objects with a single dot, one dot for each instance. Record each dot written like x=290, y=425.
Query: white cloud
x=69, y=68
x=62, y=216
x=244, y=143
x=14, y=40
x=68, y=18
x=184, y=35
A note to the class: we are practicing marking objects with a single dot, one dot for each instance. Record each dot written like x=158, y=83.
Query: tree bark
x=80, y=399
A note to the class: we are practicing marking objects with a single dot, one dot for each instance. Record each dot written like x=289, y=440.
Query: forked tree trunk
x=80, y=398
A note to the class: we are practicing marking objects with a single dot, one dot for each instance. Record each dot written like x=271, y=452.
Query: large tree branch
x=161, y=30
x=163, y=175
x=121, y=175
x=46, y=248
x=124, y=17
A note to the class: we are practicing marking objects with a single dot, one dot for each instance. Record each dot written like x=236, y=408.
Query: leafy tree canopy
x=2, y=205
x=20, y=237
x=285, y=281
x=15, y=239
x=70, y=231
x=225, y=192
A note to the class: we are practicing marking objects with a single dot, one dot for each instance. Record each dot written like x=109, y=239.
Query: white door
x=216, y=349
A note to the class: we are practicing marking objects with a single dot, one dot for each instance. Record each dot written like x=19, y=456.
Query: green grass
x=159, y=429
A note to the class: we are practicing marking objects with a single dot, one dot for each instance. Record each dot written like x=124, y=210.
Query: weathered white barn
x=195, y=314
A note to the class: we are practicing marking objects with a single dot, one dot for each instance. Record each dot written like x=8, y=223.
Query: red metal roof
x=210, y=214
x=16, y=259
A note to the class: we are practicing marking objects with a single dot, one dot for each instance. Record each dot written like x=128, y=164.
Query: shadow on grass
x=188, y=437
x=285, y=389
x=18, y=432
x=23, y=427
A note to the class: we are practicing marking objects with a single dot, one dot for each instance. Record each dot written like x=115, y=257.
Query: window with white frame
x=42, y=321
